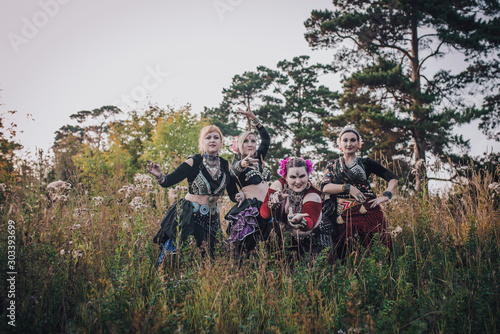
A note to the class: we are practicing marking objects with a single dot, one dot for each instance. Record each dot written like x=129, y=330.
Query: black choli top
x=338, y=173
x=200, y=181
x=251, y=176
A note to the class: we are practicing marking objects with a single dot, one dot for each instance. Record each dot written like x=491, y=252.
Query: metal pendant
x=211, y=199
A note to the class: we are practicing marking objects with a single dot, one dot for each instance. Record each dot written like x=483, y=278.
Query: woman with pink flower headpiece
x=295, y=206
x=245, y=226
x=358, y=209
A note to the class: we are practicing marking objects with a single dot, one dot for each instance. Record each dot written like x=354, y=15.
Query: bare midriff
x=201, y=199
x=258, y=191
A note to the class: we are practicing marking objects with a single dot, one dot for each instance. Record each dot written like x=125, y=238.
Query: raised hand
x=249, y=161
x=248, y=113
x=154, y=169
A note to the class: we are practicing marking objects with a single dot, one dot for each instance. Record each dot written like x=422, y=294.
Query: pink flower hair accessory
x=282, y=170
x=234, y=146
x=309, y=165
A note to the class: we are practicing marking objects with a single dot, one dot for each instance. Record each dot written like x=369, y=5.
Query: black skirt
x=245, y=225
x=189, y=218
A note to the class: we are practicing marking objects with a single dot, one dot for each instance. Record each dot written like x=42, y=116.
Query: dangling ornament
x=362, y=210
x=340, y=221
x=211, y=199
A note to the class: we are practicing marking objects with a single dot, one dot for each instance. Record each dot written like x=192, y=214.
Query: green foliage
x=175, y=138
x=122, y=148
x=389, y=95
x=8, y=146
x=290, y=103
x=88, y=266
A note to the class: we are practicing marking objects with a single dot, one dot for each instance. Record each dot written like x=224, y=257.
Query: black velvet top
x=254, y=176
x=200, y=181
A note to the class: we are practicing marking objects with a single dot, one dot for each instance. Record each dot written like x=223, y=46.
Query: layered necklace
x=212, y=164
x=295, y=200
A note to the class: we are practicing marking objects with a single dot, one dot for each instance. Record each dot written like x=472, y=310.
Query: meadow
x=85, y=264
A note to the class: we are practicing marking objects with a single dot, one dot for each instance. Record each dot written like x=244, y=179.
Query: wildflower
x=495, y=186
x=136, y=203
x=2, y=187
x=396, y=231
x=125, y=224
x=77, y=253
x=98, y=200
x=71, y=242
x=142, y=178
x=62, y=252
x=60, y=199
x=59, y=186
x=75, y=227
x=128, y=190
x=79, y=212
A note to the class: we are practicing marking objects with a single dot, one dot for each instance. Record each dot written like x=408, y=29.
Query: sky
x=63, y=56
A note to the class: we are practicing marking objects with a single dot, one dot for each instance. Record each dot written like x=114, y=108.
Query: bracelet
x=160, y=180
x=346, y=188
x=387, y=194
x=304, y=222
x=272, y=205
x=238, y=167
x=256, y=122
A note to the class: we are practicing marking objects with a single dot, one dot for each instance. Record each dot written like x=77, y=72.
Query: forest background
x=92, y=231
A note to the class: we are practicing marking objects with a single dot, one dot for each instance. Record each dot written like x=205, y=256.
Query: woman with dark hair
x=198, y=213
x=294, y=204
x=245, y=225
x=358, y=208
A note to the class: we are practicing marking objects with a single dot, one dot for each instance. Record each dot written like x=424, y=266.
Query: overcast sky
x=63, y=56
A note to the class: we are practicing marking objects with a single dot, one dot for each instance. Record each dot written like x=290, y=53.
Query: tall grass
x=86, y=266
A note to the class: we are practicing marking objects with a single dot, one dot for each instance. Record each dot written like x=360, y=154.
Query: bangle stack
x=238, y=167
x=346, y=188
x=160, y=180
x=387, y=194
x=256, y=122
x=271, y=204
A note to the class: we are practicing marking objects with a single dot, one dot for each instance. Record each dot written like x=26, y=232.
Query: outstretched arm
x=179, y=174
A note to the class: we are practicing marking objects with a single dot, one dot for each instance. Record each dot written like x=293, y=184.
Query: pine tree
x=388, y=43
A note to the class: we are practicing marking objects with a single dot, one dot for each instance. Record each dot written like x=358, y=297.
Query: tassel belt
x=345, y=205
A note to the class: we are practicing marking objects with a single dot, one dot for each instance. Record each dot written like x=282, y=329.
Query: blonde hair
x=244, y=135
x=203, y=133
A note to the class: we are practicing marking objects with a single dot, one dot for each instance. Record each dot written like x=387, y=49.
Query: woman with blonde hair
x=245, y=225
x=197, y=214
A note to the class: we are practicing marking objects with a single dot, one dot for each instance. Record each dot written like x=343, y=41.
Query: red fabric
x=314, y=210
x=265, y=212
x=366, y=225
x=311, y=208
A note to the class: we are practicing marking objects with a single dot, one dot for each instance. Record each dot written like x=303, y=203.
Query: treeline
x=382, y=50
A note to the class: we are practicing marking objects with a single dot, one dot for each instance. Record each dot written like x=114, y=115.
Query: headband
x=282, y=170
x=353, y=130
